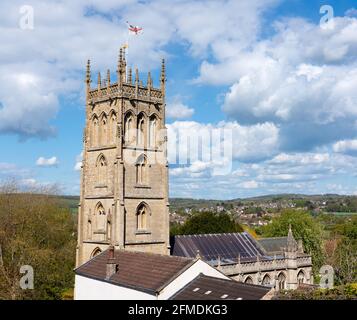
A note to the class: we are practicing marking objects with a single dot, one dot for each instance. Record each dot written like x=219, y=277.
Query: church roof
x=208, y=288
x=141, y=271
x=274, y=245
x=211, y=247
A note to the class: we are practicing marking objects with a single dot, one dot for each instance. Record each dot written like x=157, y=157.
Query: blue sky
x=270, y=71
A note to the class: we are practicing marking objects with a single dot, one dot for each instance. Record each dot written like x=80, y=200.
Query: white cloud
x=346, y=146
x=300, y=159
x=308, y=173
x=352, y=12
x=28, y=183
x=251, y=184
x=247, y=143
x=78, y=165
x=40, y=66
x=50, y=162
x=177, y=110
x=301, y=79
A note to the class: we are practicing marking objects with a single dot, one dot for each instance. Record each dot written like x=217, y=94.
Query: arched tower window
x=113, y=125
x=141, y=130
x=153, y=125
x=142, y=214
x=104, y=130
x=248, y=280
x=266, y=280
x=101, y=217
x=281, y=281
x=89, y=225
x=94, y=131
x=102, y=167
x=141, y=170
x=129, y=128
x=109, y=225
x=95, y=252
x=301, y=277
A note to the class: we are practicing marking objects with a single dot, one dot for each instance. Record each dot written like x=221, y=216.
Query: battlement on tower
x=125, y=87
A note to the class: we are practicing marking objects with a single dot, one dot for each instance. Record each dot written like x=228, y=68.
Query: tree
x=208, y=222
x=304, y=227
x=345, y=257
x=35, y=231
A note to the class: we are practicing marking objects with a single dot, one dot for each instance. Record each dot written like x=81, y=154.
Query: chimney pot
x=112, y=266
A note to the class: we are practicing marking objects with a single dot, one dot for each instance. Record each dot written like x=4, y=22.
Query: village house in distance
x=124, y=249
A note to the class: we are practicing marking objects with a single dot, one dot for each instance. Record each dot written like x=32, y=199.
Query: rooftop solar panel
x=225, y=246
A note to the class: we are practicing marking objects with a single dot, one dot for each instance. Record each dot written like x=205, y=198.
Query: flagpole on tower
x=136, y=30
x=127, y=47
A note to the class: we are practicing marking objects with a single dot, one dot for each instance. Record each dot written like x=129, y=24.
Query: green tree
x=345, y=259
x=304, y=227
x=208, y=222
x=35, y=230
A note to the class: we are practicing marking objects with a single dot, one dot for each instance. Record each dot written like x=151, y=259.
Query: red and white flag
x=134, y=29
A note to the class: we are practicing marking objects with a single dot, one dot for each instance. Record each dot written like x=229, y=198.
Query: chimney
x=112, y=266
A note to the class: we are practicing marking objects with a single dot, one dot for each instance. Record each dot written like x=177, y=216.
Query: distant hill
x=176, y=203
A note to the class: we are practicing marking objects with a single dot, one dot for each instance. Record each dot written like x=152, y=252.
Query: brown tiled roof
x=208, y=288
x=146, y=272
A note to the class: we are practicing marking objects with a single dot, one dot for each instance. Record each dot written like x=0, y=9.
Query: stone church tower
x=124, y=176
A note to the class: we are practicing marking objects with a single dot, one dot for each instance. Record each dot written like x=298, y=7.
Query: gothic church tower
x=124, y=175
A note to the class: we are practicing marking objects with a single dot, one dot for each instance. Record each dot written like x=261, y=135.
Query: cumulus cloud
x=50, y=162
x=301, y=79
x=177, y=110
x=346, y=146
x=243, y=143
x=42, y=65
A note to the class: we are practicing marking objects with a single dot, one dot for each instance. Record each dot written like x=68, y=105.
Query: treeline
x=206, y=222
x=347, y=204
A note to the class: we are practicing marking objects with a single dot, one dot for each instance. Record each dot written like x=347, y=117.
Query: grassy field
x=70, y=202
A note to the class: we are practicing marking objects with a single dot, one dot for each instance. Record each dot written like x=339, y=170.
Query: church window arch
x=113, y=125
x=95, y=252
x=301, y=277
x=129, y=128
x=266, y=280
x=248, y=280
x=89, y=225
x=141, y=129
x=94, y=131
x=141, y=170
x=104, y=130
x=281, y=281
x=102, y=168
x=153, y=128
x=101, y=217
x=109, y=225
x=142, y=215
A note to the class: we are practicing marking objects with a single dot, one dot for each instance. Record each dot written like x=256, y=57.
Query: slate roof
x=274, y=245
x=208, y=288
x=227, y=246
x=141, y=271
